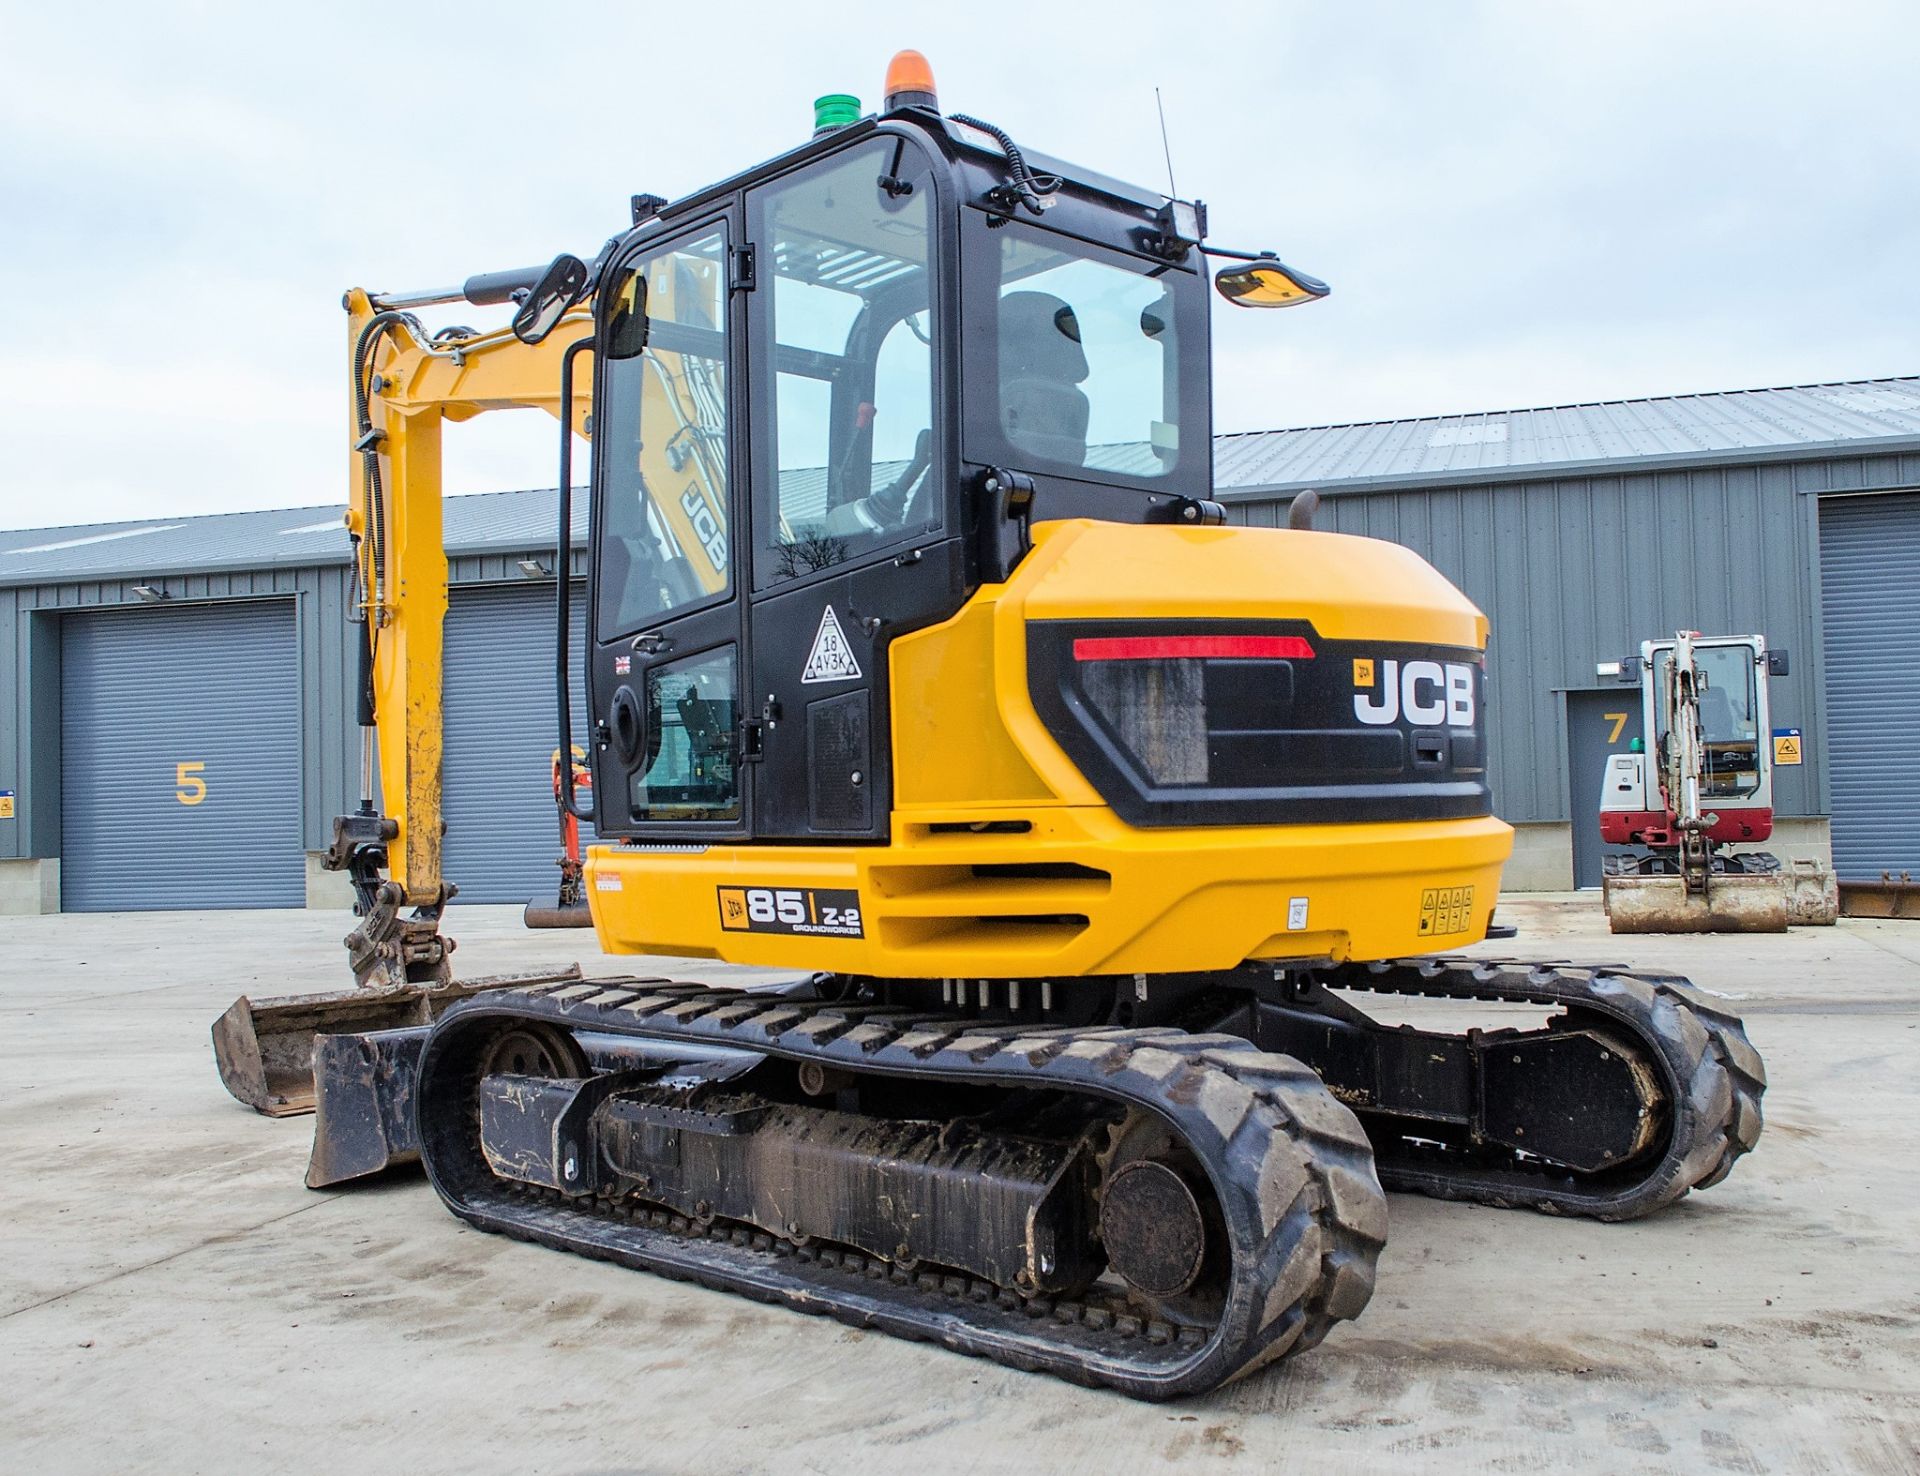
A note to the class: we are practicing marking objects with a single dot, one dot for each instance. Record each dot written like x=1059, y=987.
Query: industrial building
x=176, y=700
x=178, y=726
x=1584, y=529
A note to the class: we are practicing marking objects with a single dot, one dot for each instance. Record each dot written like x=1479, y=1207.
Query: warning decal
x=832, y=912
x=1786, y=746
x=831, y=659
x=1445, y=910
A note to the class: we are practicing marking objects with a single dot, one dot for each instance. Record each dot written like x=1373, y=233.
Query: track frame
x=1290, y=1167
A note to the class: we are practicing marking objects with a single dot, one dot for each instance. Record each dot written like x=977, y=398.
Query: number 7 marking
x=1619, y=721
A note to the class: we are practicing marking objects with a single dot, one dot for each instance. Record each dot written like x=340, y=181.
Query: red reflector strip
x=1180, y=647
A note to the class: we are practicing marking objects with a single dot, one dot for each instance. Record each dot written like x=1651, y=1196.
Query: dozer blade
x=363, y=1103
x=556, y=915
x=364, y=1083
x=1660, y=904
x=265, y=1047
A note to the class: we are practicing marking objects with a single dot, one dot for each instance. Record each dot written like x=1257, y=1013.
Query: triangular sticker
x=832, y=658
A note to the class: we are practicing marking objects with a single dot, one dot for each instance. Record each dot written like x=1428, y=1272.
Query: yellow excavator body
x=1002, y=858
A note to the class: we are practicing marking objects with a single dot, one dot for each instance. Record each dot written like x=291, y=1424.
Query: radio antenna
x=1165, y=147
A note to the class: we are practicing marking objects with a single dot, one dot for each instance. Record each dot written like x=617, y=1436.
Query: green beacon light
x=835, y=110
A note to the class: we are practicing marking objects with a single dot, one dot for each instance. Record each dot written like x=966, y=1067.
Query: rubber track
x=1713, y=1076
x=1292, y=1169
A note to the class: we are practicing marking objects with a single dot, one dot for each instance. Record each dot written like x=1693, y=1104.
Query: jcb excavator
x=1702, y=788
x=924, y=664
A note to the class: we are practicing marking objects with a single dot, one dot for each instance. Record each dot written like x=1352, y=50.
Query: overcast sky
x=1521, y=203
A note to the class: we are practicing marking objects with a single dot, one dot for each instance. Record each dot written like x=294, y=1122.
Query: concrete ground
x=171, y=1297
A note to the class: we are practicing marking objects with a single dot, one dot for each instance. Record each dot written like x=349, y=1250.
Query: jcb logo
x=1426, y=693
x=706, y=527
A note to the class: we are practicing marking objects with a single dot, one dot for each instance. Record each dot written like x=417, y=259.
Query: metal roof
x=1614, y=435
x=1611, y=435
x=293, y=538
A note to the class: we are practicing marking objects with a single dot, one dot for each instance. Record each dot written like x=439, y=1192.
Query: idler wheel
x=533, y=1048
x=1155, y=1234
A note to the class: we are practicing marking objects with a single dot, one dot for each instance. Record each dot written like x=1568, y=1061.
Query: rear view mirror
x=626, y=314
x=1267, y=282
x=560, y=287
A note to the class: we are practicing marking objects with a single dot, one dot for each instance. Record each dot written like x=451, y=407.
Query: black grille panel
x=1331, y=731
x=839, y=760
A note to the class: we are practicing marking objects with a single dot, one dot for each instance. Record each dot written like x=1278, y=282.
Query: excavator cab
x=1726, y=687
x=787, y=475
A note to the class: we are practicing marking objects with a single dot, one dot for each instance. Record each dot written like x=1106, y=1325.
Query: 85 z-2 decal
x=829, y=912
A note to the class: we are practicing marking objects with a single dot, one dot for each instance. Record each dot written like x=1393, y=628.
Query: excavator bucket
x=1813, y=895
x=265, y=1047
x=1887, y=897
x=1733, y=903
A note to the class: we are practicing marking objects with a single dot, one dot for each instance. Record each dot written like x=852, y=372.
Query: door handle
x=652, y=642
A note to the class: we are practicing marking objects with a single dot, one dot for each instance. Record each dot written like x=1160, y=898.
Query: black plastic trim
x=1320, y=691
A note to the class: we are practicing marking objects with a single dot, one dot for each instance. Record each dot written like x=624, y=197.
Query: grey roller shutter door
x=497, y=770
x=145, y=690
x=1870, y=605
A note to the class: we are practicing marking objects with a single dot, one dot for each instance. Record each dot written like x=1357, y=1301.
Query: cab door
x=668, y=659
x=852, y=540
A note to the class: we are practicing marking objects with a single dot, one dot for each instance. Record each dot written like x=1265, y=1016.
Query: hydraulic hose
x=1030, y=187
x=375, y=531
x=563, y=590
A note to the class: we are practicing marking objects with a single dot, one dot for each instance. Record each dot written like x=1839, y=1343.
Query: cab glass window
x=661, y=436
x=1089, y=361
x=846, y=250
x=691, y=770
x=1729, y=717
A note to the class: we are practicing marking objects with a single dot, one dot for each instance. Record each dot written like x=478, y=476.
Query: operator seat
x=1042, y=365
x=1718, y=723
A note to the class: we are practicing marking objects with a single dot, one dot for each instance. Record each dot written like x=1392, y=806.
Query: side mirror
x=1777, y=663
x=560, y=287
x=1267, y=282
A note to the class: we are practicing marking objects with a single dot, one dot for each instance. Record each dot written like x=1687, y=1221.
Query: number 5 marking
x=189, y=787
x=1619, y=721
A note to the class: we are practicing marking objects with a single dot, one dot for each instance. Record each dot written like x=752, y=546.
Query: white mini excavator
x=1703, y=785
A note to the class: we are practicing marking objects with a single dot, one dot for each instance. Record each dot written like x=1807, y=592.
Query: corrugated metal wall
x=1870, y=582
x=329, y=777
x=1580, y=570
x=30, y=681
x=180, y=758
x=502, y=830
x=1571, y=571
